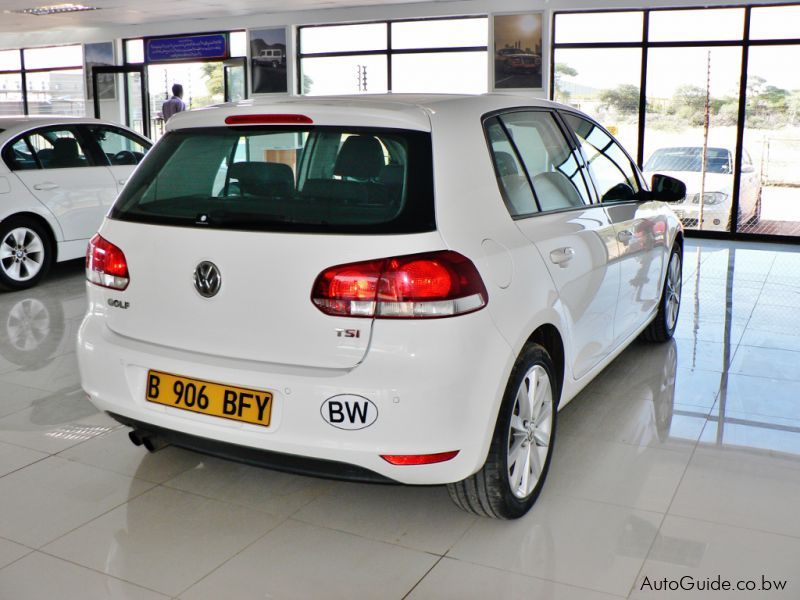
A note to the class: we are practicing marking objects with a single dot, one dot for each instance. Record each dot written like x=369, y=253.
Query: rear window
x=311, y=179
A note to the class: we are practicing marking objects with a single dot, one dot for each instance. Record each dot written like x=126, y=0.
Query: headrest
x=555, y=191
x=505, y=164
x=66, y=153
x=360, y=157
x=263, y=177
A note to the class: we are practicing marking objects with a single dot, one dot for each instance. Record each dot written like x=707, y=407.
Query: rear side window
x=314, y=179
x=47, y=149
x=542, y=157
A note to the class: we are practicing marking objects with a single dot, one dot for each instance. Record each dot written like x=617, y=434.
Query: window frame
x=388, y=52
x=569, y=139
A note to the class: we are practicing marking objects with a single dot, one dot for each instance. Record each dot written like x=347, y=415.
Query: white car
x=685, y=162
x=396, y=287
x=58, y=178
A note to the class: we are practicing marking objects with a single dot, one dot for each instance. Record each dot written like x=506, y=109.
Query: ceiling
x=115, y=13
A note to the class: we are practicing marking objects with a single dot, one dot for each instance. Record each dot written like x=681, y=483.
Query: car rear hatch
x=266, y=209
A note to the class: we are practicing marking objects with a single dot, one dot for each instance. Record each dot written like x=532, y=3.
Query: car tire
x=662, y=328
x=501, y=489
x=26, y=253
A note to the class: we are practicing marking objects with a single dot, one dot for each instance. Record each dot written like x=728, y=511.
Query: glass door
x=119, y=95
x=235, y=78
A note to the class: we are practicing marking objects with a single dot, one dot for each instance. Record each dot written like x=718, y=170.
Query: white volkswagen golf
x=58, y=178
x=395, y=288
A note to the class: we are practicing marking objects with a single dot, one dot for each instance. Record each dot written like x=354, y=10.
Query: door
x=546, y=192
x=119, y=149
x=66, y=179
x=639, y=228
x=120, y=95
x=235, y=78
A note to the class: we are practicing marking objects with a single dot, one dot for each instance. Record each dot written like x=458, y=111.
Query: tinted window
x=612, y=172
x=58, y=149
x=324, y=179
x=718, y=160
x=47, y=149
x=549, y=160
x=119, y=147
x=510, y=173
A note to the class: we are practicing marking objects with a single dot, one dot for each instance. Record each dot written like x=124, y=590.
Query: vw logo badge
x=207, y=279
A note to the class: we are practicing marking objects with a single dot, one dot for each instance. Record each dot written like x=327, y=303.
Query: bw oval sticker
x=348, y=411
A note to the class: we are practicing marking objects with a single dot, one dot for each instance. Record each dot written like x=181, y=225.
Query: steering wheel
x=124, y=157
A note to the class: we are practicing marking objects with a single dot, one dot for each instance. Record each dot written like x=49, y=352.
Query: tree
x=624, y=99
x=212, y=73
x=562, y=70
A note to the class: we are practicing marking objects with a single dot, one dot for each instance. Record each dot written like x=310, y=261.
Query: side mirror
x=667, y=189
x=748, y=168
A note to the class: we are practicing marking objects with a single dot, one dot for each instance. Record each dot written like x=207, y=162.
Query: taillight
x=106, y=265
x=429, y=285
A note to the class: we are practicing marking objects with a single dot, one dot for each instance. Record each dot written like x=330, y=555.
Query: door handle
x=625, y=236
x=46, y=186
x=562, y=256
x=122, y=181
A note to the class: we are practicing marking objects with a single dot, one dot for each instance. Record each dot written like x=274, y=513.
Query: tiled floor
x=680, y=460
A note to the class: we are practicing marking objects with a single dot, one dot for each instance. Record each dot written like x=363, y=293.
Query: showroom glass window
x=421, y=56
x=671, y=82
x=42, y=81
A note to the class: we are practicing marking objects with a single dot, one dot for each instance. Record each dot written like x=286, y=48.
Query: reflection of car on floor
x=385, y=288
x=58, y=177
x=685, y=163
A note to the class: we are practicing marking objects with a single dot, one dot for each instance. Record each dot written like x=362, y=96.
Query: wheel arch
x=548, y=336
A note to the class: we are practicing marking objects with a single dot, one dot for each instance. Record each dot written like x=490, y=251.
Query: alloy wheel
x=673, y=290
x=530, y=432
x=22, y=254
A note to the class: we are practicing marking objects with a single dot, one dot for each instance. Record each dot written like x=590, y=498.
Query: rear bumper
x=253, y=456
x=437, y=385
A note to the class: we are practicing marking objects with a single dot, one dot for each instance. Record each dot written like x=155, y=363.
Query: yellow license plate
x=209, y=398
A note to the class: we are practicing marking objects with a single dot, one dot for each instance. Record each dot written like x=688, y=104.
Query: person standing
x=175, y=104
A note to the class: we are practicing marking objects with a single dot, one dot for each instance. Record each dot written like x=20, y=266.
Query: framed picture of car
x=517, y=50
x=268, y=61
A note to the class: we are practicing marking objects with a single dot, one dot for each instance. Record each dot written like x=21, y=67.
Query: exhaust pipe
x=151, y=442
x=154, y=444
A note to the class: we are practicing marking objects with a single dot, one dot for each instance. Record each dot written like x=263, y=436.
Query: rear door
x=234, y=197
x=546, y=193
x=640, y=227
x=67, y=180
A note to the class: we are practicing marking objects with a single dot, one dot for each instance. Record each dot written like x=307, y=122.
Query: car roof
x=404, y=111
x=16, y=124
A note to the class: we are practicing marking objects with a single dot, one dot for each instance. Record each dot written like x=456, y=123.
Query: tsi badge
x=347, y=411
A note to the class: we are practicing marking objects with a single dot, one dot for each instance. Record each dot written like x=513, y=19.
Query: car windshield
x=308, y=179
x=689, y=159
